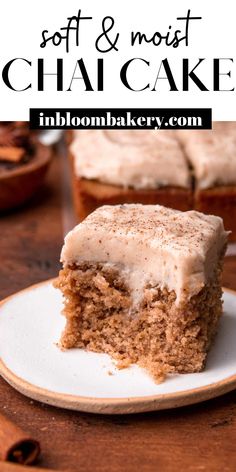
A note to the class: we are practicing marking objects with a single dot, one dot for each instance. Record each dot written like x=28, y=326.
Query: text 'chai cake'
x=143, y=284
x=115, y=167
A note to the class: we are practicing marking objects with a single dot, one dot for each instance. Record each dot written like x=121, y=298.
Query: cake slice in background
x=143, y=284
x=181, y=169
x=212, y=155
x=112, y=167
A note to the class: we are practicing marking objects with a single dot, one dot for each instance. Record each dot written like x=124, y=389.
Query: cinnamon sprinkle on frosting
x=151, y=245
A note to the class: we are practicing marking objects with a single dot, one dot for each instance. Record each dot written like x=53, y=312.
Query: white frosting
x=138, y=159
x=150, y=244
x=212, y=154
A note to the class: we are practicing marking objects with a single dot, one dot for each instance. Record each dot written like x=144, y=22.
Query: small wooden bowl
x=18, y=185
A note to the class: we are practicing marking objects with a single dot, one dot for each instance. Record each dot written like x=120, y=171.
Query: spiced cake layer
x=143, y=284
x=90, y=195
x=112, y=167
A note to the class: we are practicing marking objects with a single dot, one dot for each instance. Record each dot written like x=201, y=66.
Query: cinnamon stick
x=16, y=445
x=11, y=154
x=6, y=467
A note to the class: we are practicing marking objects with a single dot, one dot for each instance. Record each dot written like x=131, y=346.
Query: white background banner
x=210, y=38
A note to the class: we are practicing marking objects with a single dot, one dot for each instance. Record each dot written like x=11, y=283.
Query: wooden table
x=195, y=438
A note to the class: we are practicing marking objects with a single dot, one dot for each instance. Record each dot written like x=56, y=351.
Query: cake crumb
x=123, y=363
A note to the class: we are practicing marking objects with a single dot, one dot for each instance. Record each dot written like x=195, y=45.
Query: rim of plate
x=114, y=405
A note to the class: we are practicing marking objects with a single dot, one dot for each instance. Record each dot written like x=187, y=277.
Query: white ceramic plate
x=30, y=326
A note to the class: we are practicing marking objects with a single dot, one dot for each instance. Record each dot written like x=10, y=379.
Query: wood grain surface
x=194, y=438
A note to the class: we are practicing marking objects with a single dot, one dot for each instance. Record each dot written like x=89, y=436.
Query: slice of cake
x=143, y=284
x=212, y=155
x=115, y=167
